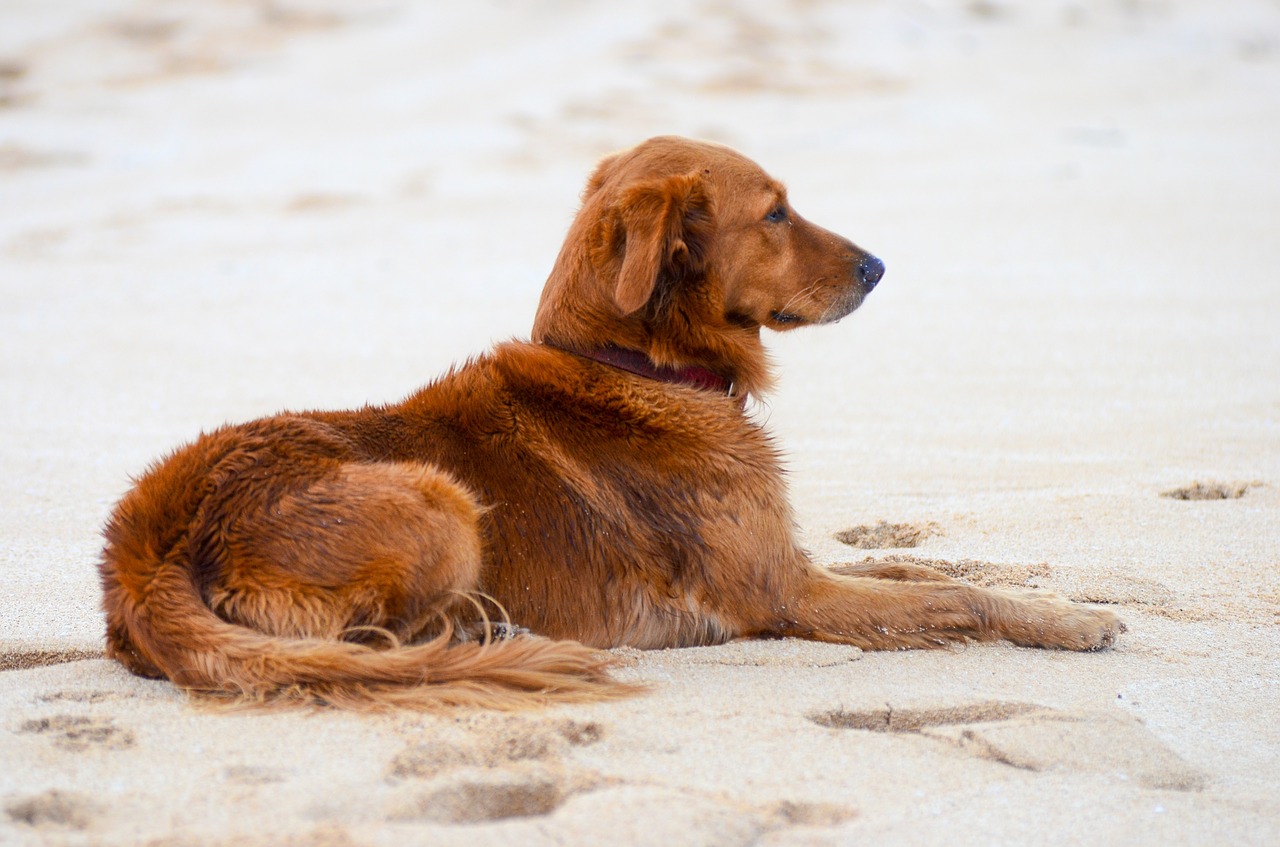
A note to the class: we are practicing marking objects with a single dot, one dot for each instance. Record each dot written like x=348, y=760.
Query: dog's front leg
x=890, y=614
x=902, y=571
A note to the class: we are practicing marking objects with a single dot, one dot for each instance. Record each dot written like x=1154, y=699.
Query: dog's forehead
x=730, y=171
x=726, y=173
x=745, y=181
x=741, y=171
x=727, y=164
x=666, y=155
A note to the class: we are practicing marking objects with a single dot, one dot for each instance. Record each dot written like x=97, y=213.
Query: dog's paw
x=504, y=631
x=1098, y=630
x=488, y=631
x=1057, y=623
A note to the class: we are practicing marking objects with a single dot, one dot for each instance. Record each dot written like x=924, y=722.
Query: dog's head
x=684, y=250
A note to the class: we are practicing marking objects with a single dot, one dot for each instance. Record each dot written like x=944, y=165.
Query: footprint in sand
x=21, y=660
x=53, y=808
x=491, y=767
x=76, y=696
x=1035, y=738
x=1210, y=491
x=650, y=814
x=1111, y=586
x=884, y=535
x=792, y=813
x=255, y=775
x=78, y=733
x=973, y=571
x=890, y=719
x=12, y=72
x=485, y=796
x=491, y=741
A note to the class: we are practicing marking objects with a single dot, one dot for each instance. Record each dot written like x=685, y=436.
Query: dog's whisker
x=803, y=296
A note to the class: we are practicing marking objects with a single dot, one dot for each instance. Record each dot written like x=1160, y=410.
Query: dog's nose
x=870, y=270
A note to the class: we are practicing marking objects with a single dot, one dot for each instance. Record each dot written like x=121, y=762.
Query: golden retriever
x=598, y=486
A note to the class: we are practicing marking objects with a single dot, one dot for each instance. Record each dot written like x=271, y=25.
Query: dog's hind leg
x=358, y=551
x=884, y=614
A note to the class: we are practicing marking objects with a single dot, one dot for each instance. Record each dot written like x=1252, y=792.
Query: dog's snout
x=870, y=270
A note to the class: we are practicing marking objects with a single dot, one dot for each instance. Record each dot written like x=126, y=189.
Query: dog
x=599, y=485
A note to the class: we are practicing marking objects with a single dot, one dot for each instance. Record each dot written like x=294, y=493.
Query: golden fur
x=347, y=557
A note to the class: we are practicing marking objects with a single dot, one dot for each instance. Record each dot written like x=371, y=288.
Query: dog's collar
x=633, y=361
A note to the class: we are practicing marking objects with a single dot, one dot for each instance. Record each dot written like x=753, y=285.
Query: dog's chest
x=624, y=526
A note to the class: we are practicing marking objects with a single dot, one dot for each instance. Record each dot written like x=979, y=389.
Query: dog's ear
x=665, y=226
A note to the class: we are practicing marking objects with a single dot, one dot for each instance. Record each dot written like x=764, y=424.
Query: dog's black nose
x=870, y=270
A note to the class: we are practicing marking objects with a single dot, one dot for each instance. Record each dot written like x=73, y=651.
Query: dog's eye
x=777, y=215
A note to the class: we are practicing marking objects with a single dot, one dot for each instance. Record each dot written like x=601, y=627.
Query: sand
x=1069, y=381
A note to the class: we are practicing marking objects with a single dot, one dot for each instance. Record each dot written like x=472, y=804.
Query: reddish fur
x=342, y=557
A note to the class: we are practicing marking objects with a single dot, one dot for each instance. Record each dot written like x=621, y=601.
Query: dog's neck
x=578, y=312
x=636, y=362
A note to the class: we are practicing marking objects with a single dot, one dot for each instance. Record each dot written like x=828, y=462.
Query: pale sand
x=211, y=211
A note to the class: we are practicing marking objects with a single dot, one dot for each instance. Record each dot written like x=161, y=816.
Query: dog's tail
x=159, y=625
x=170, y=630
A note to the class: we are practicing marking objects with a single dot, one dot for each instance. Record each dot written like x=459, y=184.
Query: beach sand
x=1068, y=381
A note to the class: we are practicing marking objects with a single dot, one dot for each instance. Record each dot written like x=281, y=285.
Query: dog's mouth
x=835, y=311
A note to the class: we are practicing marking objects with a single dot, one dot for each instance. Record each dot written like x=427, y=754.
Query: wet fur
x=346, y=557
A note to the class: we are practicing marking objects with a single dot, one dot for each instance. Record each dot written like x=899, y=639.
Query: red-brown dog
x=601, y=485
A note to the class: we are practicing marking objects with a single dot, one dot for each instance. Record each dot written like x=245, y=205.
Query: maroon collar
x=633, y=361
